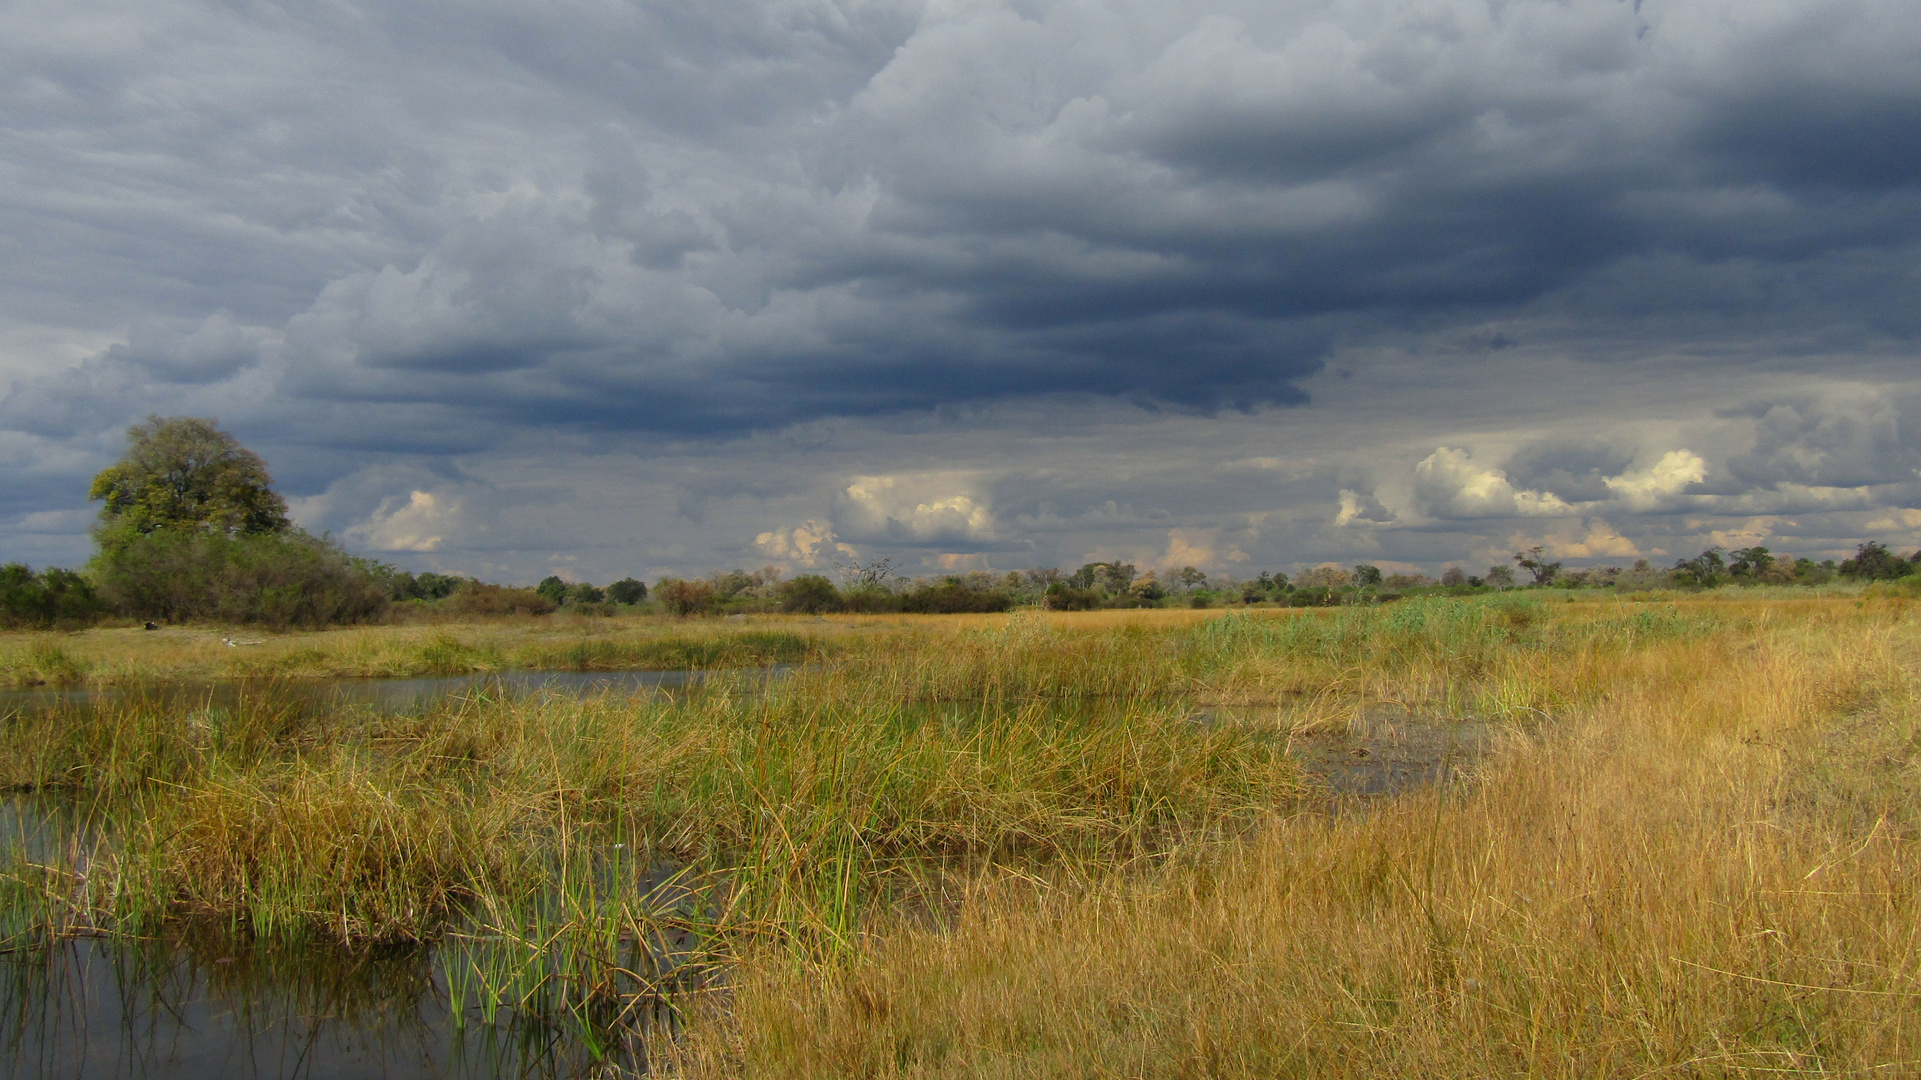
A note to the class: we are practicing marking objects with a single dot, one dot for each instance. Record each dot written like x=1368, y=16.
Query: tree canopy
x=184, y=473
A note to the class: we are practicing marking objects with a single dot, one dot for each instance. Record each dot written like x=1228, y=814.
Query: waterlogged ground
x=476, y=840
x=392, y=695
x=203, y=1001
x=206, y=1001
x=212, y=1008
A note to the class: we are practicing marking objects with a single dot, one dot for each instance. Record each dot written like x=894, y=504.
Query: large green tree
x=193, y=529
x=183, y=473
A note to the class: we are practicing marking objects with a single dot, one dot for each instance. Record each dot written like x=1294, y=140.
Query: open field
x=1072, y=844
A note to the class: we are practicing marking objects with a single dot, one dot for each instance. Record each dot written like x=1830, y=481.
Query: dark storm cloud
x=1863, y=440
x=426, y=229
x=770, y=212
x=1577, y=470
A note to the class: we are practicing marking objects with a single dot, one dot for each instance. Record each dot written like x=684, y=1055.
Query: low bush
x=627, y=591
x=280, y=579
x=477, y=598
x=1061, y=597
x=810, y=594
x=870, y=600
x=424, y=586
x=952, y=597
x=684, y=598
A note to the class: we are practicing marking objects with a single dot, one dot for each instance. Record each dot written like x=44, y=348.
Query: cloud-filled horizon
x=610, y=288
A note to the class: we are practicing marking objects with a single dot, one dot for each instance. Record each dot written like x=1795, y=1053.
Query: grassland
x=1005, y=846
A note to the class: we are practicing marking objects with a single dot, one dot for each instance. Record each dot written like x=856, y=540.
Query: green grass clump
x=748, y=648
x=41, y=663
x=808, y=800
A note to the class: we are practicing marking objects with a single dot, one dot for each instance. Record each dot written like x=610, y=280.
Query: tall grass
x=805, y=797
x=1703, y=868
x=1015, y=848
x=131, y=657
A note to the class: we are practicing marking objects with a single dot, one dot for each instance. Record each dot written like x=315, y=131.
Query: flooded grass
x=134, y=657
x=966, y=847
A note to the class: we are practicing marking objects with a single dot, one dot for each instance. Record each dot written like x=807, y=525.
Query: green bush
x=280, y=579
x=810, y=594
x=51, y=597
x=477, y=598
x=425, y=586
x=953, y=597
x=627, y=591
x=1062, y=597
x=870, y=599
x=1874, y=562
x=553, y=589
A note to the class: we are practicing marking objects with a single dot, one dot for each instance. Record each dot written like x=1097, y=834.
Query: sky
x=621, y=287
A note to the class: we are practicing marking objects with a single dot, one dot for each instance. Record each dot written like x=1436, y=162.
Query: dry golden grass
x=1695, y=857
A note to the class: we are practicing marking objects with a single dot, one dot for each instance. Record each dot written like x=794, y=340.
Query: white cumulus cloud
x=923, y=508
x=1645, y=488
x=805, y=543
x=1449, y=484
x=422, y=523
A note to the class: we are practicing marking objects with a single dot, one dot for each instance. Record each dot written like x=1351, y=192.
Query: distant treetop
x=184, y=473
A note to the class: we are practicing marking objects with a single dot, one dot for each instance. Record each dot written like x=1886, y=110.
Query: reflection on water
x=201, y=1008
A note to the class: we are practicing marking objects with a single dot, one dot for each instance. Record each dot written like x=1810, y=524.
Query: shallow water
x=1384, y=756
x=198, y=1009
x=1379, y=754
x=205, y=999
x=208, y=1003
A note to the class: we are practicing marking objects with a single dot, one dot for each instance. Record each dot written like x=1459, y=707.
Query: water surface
x=202, y=1009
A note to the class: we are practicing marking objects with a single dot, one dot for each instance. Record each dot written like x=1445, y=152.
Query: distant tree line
x=191, y=529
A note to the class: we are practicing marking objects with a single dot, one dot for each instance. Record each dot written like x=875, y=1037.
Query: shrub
x=553, y=589
x=425, y=586
x=53, y=596
x=810, y=594
x=281, y=579
x=477, y=598
x=1062, y=597
x=953, y=597
x=684, y=598
x=1874, y=562
x=870, y=599
x=627, y=591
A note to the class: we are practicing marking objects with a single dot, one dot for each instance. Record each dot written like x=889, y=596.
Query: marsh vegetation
x=1677, y=838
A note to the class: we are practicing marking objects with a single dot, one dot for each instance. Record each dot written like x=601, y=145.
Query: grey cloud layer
x=380, y=236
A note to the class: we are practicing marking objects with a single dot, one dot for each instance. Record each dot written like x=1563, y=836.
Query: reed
x=133, y=657
x=1040, y=845
x=1698, y=863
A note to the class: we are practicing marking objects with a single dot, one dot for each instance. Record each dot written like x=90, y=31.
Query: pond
x=203, y=1008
